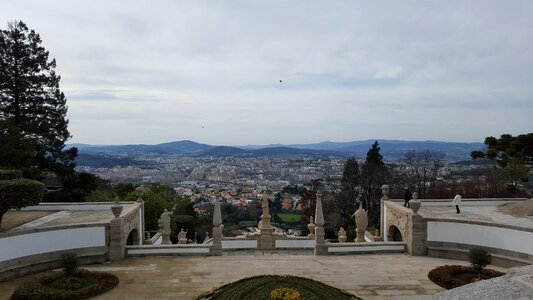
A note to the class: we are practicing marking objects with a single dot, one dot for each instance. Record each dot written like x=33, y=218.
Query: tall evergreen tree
x=374, y=174
x=344, y=205
x=31, y=100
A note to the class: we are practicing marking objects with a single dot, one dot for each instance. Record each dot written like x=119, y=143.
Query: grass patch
x=261, y=287
x=453, y=276
x=290, y=218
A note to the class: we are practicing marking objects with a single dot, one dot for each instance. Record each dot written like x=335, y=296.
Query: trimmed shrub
x=285, y=294
x=479, y=258
x=57, y=286
x=19, y=193
x=70, y=263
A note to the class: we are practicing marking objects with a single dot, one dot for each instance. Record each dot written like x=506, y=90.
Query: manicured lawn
x=290, y=218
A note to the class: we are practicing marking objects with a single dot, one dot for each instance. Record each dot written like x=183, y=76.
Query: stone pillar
x=117, y=245
x=416, y=235
x=417, y=231
x=142, y=233
x=385, y=192
x=216, y=249
x=320, y=247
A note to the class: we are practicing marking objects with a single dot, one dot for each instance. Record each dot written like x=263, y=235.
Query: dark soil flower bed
x=450, y=277
x=84, y=284
x=261, y=287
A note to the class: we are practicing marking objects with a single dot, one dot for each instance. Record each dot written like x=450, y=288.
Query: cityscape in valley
x=240, y=175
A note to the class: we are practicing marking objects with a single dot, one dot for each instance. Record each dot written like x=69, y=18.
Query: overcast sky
x=209, y=71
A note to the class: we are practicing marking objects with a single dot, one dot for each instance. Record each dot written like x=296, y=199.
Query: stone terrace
x=369, y=276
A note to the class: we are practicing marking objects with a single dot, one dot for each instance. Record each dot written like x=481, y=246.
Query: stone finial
x=217, y=214
x=164, y=225
x=385, y=191
x=138, y=192
x=319, y=213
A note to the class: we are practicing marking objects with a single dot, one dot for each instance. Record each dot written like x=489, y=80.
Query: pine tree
x=374, y=175
x=30, y=98
x=344, y=204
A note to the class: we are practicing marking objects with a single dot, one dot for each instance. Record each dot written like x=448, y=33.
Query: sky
x=264, y=72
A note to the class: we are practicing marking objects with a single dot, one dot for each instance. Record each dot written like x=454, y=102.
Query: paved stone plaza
x=379, y=276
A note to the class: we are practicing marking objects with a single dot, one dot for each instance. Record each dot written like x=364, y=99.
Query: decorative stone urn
x=385, y=191
x=116, y=208
x=414, y=204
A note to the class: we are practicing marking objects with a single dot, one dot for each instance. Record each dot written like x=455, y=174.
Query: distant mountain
x=178, y=147
x=224, y=151
x=105, y=161
x=390, y=149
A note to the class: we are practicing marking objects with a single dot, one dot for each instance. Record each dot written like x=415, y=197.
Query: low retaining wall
x=36, y=250
x=509, y=245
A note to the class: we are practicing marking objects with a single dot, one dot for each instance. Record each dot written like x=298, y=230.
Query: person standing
x=456, y=201
x=406, y=197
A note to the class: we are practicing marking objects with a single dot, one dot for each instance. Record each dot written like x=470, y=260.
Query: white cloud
x=155, y=71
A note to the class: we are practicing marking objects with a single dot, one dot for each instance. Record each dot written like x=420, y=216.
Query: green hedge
x=10, y=174
x=19, y=193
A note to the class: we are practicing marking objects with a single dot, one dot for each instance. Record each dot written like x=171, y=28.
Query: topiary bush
x=70, y=263
x=453, y=276
x=285, y=294
x=58, y=286
x=19, y=193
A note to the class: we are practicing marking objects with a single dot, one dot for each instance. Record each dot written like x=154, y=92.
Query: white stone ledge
x=166, y=250
x=366, y=248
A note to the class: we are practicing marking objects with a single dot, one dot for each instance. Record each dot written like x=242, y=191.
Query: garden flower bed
x=261, y=287
x=453, y=276
x=82, y=285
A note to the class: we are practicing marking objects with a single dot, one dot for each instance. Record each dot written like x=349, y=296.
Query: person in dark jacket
x=407, y=196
